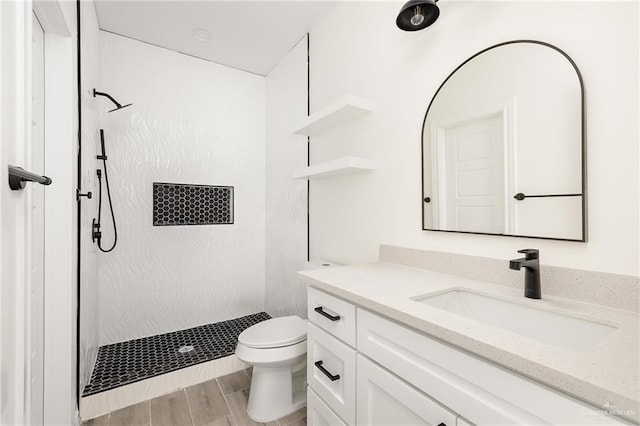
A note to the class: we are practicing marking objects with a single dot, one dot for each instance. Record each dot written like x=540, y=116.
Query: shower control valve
x=96, y=234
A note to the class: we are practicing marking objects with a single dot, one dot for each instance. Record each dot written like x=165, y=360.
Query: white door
x=35, y=229
x=21, y=216
x=25, y=238
x=473, y=176
x=384, y=399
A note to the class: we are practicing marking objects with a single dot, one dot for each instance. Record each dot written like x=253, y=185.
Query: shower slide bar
x=18, y=177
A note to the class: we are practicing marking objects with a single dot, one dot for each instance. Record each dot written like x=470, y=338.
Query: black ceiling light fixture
x=417, y=14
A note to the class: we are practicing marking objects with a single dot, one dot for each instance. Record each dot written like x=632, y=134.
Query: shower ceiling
x=249, y=35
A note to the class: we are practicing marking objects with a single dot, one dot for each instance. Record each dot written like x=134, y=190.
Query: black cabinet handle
x=332, y=377
x=326, y=315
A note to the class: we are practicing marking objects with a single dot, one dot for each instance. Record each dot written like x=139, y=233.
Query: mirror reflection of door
x=35, y=229
x=508, y=120
x=472, y=176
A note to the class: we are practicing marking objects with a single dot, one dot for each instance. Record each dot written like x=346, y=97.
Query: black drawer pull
x=332, y=377
x=326, y=315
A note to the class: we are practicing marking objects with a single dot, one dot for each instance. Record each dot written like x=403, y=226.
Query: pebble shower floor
x=127, y=362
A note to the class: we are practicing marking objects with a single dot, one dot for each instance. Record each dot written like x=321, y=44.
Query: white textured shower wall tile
x=195, y=122
x=286, y=227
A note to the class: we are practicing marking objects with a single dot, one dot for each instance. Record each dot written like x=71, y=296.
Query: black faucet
x=531, y=265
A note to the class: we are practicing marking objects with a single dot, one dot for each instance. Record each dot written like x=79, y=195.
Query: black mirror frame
x=583, y=146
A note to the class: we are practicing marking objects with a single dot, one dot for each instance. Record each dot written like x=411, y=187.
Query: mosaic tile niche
x=181, y=204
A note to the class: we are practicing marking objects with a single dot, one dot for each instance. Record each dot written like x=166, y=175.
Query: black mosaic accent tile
x=127, y=362
x=180, y=204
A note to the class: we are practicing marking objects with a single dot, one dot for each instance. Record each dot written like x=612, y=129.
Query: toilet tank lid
x=275, y=333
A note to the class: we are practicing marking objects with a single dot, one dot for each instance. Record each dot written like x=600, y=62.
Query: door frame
x=61, y=128
x=58, y=19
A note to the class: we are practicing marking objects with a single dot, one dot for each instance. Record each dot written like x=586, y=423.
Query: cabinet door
x=319, y=413
x=384, y=399
x=478, y=390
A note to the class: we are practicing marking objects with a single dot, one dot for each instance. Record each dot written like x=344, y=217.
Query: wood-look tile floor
x=218, y=402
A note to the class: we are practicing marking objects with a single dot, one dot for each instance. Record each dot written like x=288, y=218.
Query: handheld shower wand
x=96, y=232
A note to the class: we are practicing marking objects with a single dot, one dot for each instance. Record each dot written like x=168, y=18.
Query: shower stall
x=173, y=241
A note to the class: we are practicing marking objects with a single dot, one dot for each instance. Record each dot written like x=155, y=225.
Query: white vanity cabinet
x=348, y=389
x=364, y=369
x=475, y=389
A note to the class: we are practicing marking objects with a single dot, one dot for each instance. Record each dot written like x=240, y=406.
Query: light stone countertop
x=607, y=373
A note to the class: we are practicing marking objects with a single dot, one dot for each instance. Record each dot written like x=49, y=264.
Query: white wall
x=286, y=206
x=192, y=121
x=400, y=72
x=89, y=304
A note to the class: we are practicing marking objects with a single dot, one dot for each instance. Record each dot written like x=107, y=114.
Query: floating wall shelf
x=345, y=108
x=335, y=167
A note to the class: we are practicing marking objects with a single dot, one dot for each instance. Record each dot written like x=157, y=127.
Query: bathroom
x=307, y=123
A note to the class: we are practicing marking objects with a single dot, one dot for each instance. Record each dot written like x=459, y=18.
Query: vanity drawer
x=476, y=389
x=319, y=413
x=333, y=315
x=331, y=372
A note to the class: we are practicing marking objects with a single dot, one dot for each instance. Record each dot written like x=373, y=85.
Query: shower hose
x=103, y=157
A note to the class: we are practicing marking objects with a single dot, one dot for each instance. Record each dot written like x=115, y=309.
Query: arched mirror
x=503, y=147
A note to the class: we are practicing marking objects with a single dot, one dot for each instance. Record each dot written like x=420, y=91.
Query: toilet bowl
x=277, y=350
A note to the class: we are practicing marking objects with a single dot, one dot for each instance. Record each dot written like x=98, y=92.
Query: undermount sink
x=564, y=331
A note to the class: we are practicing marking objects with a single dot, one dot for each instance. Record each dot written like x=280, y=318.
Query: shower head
x=119, y=107
x=108, y=96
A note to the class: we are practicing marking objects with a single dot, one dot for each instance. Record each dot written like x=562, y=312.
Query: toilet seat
x=275, y=357
x=274, y=333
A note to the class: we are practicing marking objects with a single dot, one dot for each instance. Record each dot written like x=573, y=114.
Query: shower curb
x=98, y=404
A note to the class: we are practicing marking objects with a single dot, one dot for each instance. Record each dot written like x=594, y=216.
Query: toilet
x=277, y=350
